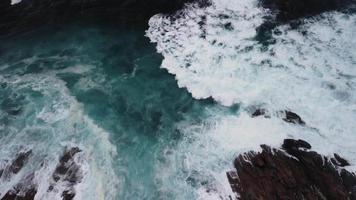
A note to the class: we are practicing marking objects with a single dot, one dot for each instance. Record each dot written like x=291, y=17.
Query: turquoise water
x=101, y=88
x=168, y=125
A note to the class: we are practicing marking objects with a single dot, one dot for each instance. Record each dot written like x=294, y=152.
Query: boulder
x=285, y=115
x=292, y=172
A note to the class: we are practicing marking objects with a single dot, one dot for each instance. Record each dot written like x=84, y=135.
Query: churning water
x=143, y=120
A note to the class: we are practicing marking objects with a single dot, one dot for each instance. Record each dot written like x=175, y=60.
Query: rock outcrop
x=290, y=11
x=15, y=165
x=293, y=9
x=293, y=172
x=285, y=115
x=67, y=173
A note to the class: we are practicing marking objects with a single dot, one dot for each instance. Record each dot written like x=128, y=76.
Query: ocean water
x=160, y=112
x=223, y=51
x=99, y=88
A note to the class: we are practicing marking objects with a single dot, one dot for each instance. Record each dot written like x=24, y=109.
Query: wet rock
x=67, y=172
x=286, y=115
x=24, y=190
x=14, y=166
x=67, y=169
x=67, y=195
x=19, y=162
x=340, y=161
x=295, y=145
x=292, y=172
x=17, y=195
x=293, y=9
x=292, y=117
x=259, y=112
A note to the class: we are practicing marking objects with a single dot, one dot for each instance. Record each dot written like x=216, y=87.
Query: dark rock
x=293, y=9
x=286, y=115
x=339, y=161
x=14, y=166
x=68, y=195
x=16, y=195
x=290, y=144
x=68, y=172
x=24, y=190
x=259, y=112
x=19, y=162
x=292, y=117
x=294, y=173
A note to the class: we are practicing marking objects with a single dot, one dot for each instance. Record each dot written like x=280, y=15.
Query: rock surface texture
x=293, y=172
x=67, y=173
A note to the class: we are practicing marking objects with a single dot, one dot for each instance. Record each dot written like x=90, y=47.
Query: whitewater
x=308, y=69
x=162, y=112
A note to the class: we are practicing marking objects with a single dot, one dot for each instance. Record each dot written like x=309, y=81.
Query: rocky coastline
x=67, y=172
x=292, y=172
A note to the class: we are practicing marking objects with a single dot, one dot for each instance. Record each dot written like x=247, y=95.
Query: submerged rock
x=293, y=172
x=17, y=195
x=286, y=115
x=14, y=166
x=67, y=172
x=19, y=162
x=24, y=190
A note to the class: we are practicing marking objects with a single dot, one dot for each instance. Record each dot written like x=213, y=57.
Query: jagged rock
x=19, y=161
x=67, y=171
x=14, y=166
x=292, y=117
x=286, y=115
x=259, y=112
x=293, y=172
x=24, y=190
x=290, y=144
x=16, y=195
x=339, y=161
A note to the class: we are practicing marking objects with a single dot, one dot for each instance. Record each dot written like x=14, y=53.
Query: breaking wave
x=309, y=69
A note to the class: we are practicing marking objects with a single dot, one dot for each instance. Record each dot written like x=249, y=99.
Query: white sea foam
x=13, y=2
x=53, y=121
x=309, y=70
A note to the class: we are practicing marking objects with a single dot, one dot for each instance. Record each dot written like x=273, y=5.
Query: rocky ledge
x=293, y=172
